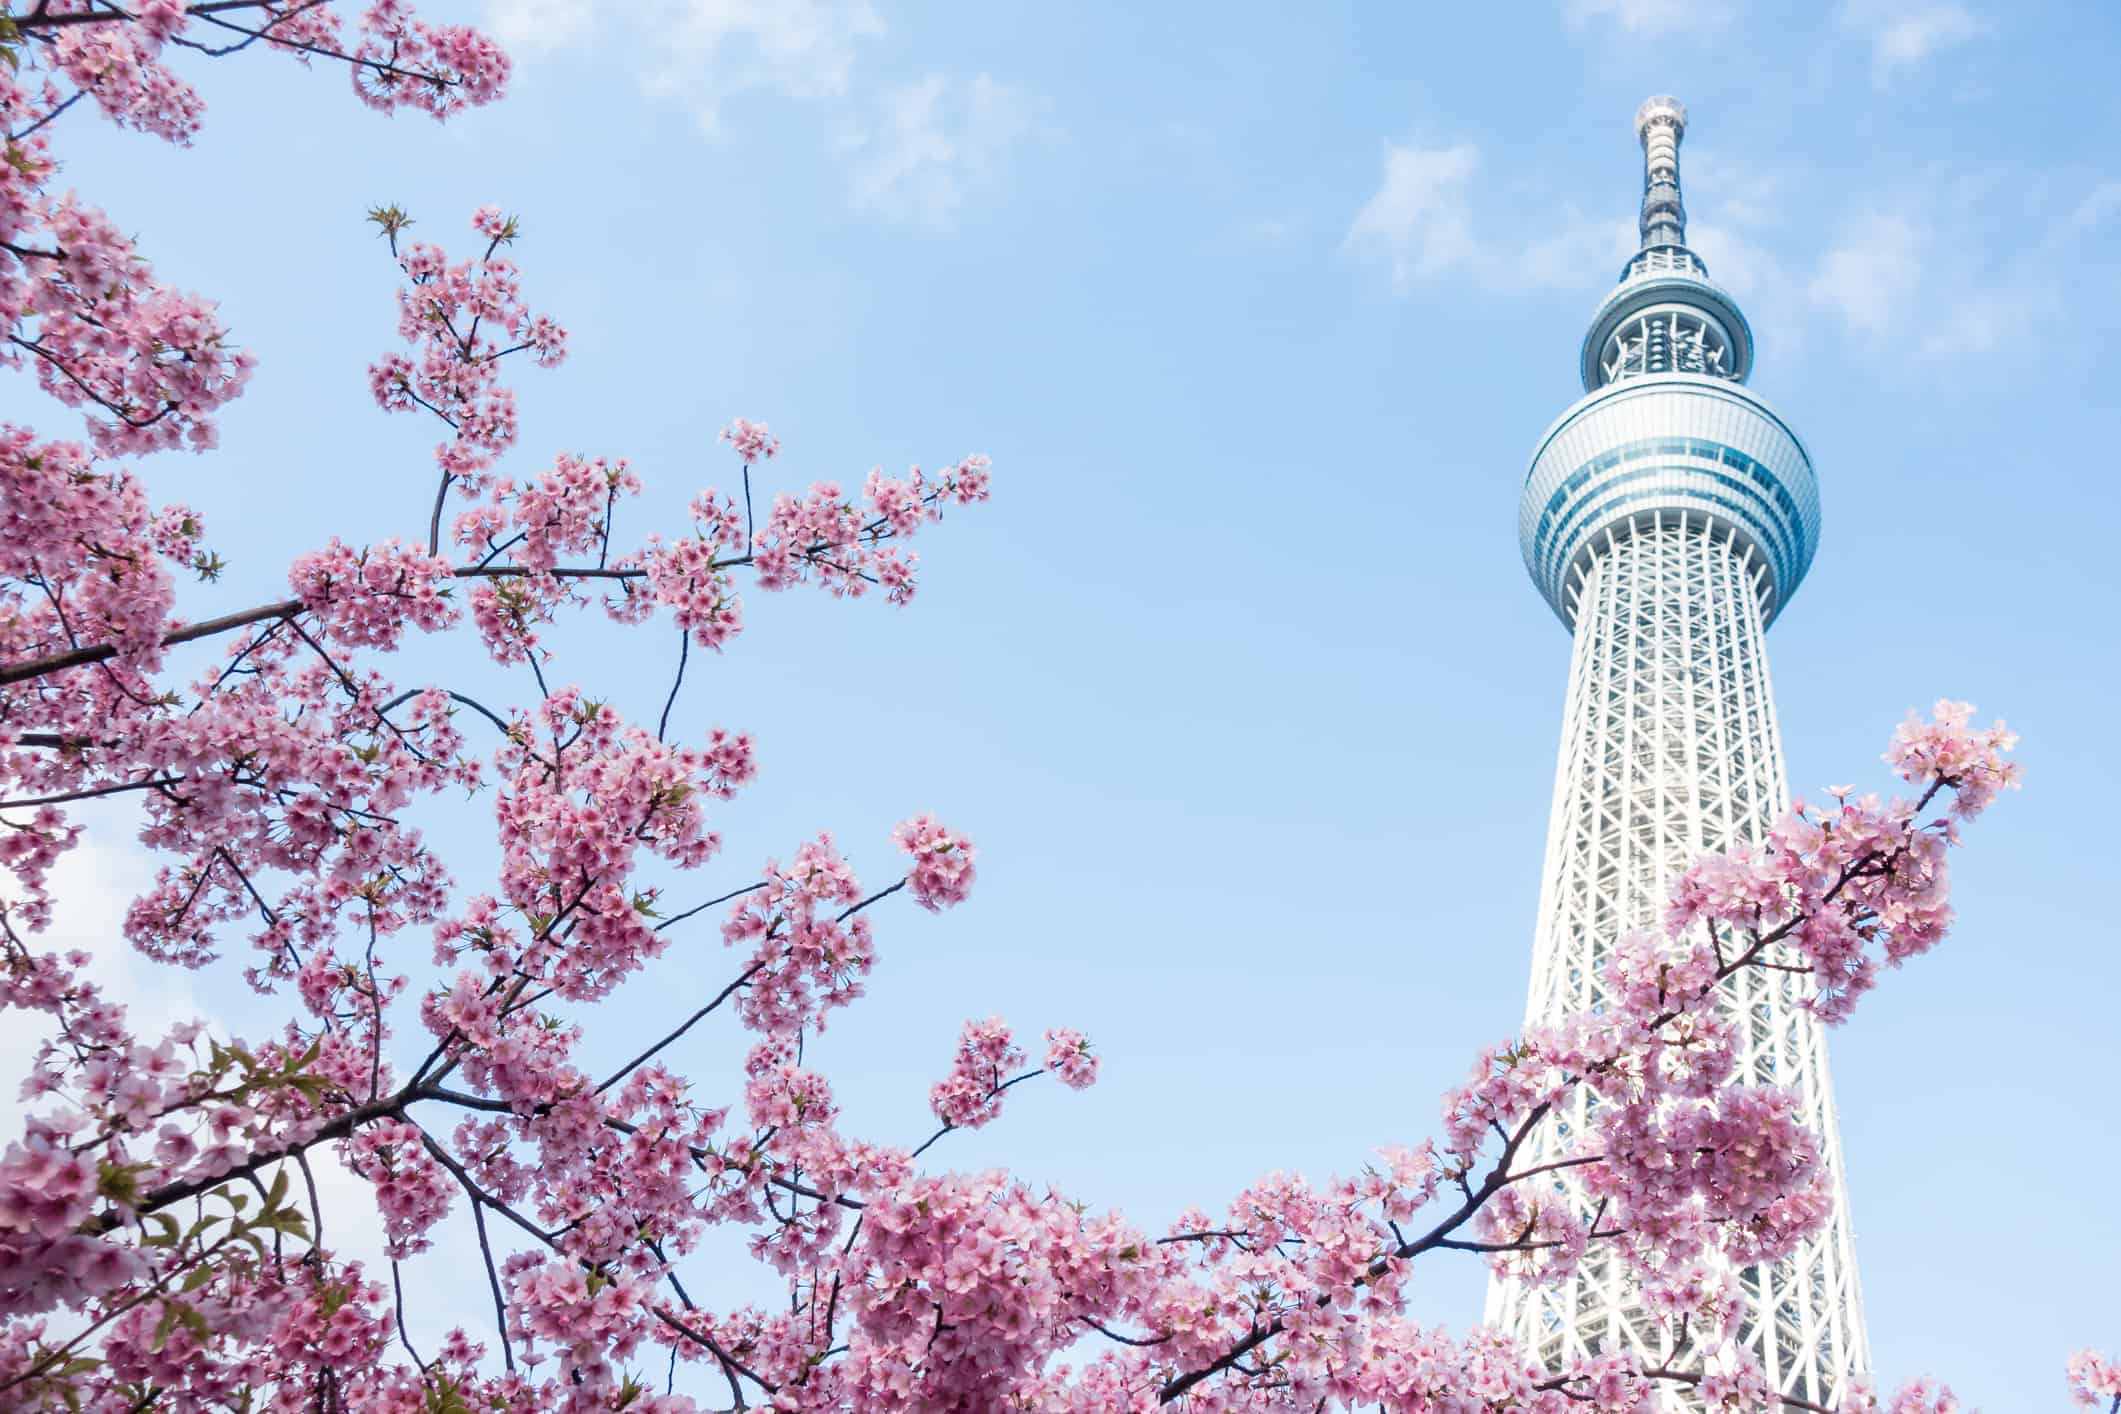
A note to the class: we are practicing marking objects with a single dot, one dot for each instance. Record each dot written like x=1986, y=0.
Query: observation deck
x=1667, y=426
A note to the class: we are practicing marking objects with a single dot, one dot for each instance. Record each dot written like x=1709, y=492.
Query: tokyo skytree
x=1668, y=516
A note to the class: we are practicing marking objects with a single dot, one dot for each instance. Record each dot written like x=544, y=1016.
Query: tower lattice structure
x=1667, y=517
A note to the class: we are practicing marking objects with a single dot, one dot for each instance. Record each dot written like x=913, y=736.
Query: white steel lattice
x=1669, y=750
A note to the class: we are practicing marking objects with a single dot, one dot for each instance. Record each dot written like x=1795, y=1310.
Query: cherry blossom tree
x=163, y=1239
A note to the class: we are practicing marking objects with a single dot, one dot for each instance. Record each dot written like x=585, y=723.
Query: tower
x=1668, y=516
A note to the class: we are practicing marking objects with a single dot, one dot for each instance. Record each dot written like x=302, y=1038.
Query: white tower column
x=1667, y=517
x=1669, y=750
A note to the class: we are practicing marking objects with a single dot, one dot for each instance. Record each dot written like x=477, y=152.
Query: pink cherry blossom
x=987, y=1059
x=943, y=867
x=751, y=440
x=2094, y=1381
x=1069, y=1057
x=162, y=1224
x=1948, y=749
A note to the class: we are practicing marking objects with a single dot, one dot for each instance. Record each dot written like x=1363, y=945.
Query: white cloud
x=702, y=52
x=2101, y=202
x=1903, y=33
x=1772, y=295
x=532, y=26
x=1914, y=37
x=933, y=144
x=1731, y=191
x=1577, y=250
x=1420, y=219
x=1922, y=274
x=1649, y=16
x=1420, y=223
x=1914, y=275
x=1735, y=206
x=1869, y=275
x=916, y=152
x=1982, y=321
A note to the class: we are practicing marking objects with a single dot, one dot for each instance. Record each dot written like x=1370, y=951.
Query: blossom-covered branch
x=164, y=1241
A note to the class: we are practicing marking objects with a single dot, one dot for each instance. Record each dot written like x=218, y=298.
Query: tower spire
x=1666, y=315
x=1660, y=123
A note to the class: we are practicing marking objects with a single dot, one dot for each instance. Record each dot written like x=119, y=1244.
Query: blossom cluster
x=943, y=863
x=1069, y=1057
x=752, y=440
x=2094, y=1380
x=971, y=1094
x=824, y=536
x=367, y=598
x=460, y=321
x=148, y=364
x=83, y=555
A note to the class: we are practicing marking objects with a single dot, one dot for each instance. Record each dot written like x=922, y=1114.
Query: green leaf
x=291, y=1221
x=311, y=1086
x=443, y=1397
x=389, y=219
x=172, y=1313
x=120, y=1182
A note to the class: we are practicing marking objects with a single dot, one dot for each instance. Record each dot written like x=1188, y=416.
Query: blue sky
x=1239, y=682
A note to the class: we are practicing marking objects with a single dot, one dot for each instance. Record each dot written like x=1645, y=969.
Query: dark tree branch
x=662, y=727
